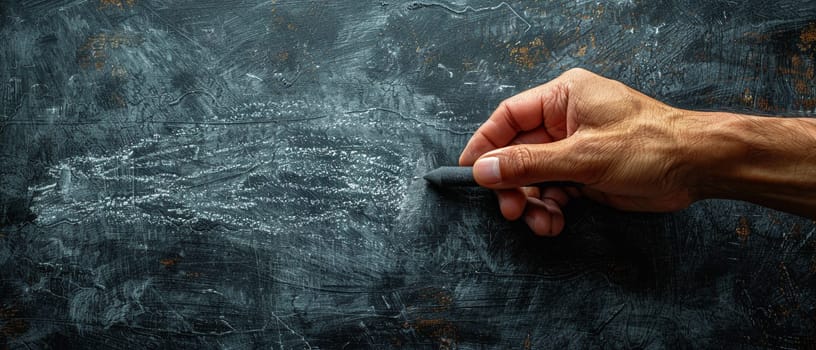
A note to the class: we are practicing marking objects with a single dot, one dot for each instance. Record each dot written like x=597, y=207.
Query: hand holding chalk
x=587, y=129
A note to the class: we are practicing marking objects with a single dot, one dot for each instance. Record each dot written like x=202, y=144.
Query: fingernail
x=486, y=170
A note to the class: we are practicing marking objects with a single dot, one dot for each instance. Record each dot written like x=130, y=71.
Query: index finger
x=544, y=105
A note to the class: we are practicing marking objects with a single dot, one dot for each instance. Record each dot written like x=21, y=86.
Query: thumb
x=526, y=164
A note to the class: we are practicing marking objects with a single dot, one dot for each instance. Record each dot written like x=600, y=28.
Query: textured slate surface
x=244, y=174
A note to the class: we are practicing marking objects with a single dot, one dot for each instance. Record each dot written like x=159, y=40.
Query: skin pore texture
x=635, y=153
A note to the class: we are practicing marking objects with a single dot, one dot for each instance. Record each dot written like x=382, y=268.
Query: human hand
x=627, y=148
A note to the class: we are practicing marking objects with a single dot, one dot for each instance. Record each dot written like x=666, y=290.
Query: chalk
x=462, y=176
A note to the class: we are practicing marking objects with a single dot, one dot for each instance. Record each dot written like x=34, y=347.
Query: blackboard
x=246, y=173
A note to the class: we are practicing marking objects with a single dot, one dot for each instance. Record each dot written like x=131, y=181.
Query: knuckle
x=505, y=107
x=506, y=104
x=576, y=71
x=578, y=78
x=581, y=76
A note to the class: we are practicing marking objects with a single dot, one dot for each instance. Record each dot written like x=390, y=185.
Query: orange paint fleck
x=747, y=97
x=443, y=331
x=529, y=55
x=528, y=342
x=599, y=10
x=743, y=230
x=94, y=52
x=801, y=86
x=801, y=74
x=796, y=61
x=581, y=51
x=169, y=262
x=442, y=298
x=764, y=104
x=807, y=37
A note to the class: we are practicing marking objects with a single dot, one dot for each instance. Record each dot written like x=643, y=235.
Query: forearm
x=764, y=160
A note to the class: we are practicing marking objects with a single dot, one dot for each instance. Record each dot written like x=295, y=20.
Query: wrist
x=758, y=159
x=710, y=144
x=717, y=151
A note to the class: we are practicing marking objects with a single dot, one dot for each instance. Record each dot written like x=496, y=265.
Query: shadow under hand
x=628, y=249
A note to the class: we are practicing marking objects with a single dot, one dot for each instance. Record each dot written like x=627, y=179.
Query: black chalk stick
x=462, y=176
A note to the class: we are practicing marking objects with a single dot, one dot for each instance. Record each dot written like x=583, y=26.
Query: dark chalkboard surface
x=227, y=174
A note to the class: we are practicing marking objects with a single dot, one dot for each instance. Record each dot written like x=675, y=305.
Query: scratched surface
x=224, y=174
